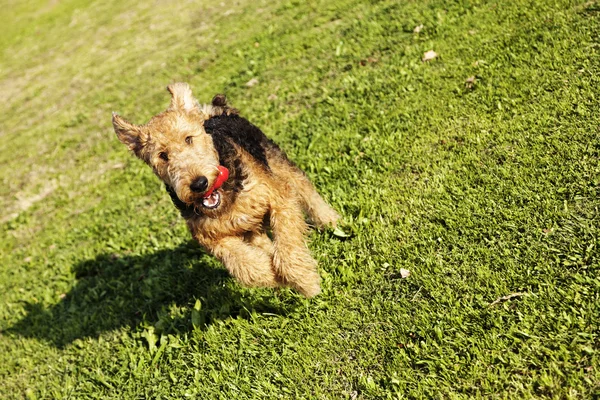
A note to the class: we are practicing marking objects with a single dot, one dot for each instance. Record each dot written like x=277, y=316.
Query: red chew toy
x=221, y=178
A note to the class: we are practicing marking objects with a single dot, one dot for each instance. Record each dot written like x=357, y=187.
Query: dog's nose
x=199, y=184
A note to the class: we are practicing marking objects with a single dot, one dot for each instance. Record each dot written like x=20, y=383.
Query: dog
x=243, y=200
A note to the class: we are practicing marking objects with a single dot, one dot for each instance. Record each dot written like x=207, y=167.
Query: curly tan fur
x=265, y=192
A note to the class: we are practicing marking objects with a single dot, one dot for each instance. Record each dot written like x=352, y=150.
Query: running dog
x=242, y=198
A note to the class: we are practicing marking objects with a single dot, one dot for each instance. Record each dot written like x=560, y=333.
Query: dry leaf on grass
x=252, y=82
x=507, y=297
x=429, y=55
x=369, y=60
x=404, y=273
x=470, y=82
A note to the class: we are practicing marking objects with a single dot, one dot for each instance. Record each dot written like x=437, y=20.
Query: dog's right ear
x=129, y=134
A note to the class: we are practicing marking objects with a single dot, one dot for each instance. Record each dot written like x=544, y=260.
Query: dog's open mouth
x=212, y=197
x=212, y=201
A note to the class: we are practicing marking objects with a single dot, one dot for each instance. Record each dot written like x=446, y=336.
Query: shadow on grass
x=158, y=289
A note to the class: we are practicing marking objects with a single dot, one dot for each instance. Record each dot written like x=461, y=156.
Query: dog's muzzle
x=212, y=197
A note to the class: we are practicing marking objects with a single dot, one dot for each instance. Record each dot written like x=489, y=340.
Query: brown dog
x=232, y=185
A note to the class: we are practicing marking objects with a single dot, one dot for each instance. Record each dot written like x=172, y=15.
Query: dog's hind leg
x=292, y=260
x=319, y=212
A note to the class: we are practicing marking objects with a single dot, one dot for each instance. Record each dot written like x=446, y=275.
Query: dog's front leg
x=291, y=257
x=251, y=265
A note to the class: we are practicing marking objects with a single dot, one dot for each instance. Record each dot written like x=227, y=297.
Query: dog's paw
x=310, y=291
x=327, y=218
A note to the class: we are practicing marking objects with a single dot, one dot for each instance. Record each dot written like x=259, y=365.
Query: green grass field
x=477, y=171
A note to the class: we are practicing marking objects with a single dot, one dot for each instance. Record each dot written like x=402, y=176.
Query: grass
x=479, y=191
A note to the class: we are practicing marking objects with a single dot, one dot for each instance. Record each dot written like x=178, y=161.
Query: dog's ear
x=220, y=104
x=181, y=97
x=220, y=100
x=129, y=134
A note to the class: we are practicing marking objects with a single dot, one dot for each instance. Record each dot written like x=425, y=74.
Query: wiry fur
x=264, y=190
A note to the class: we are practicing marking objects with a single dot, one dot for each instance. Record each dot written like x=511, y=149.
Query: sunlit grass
x=481, y=189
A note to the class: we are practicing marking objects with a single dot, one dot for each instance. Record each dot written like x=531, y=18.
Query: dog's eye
x=164, y=156
x=189, y=140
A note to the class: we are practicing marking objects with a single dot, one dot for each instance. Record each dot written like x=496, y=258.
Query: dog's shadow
x=157, y=289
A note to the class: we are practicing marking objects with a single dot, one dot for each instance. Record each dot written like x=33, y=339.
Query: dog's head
x=176, y=146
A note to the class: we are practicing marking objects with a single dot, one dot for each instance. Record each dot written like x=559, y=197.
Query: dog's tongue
x=221, y=178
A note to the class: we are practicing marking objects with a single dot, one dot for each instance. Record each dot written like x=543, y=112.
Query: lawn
x=476, y=170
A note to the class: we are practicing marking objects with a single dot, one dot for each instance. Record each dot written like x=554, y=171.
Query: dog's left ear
x=220, y=104
x=220, y=100
x=181, y=97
